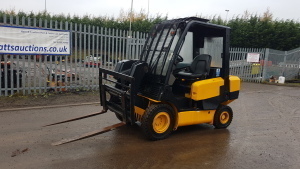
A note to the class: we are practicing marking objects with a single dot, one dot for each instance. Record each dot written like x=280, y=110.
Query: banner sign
x=253, y=57
x=31, y=41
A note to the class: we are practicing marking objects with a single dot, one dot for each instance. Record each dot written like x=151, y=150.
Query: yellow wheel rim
x=224, y=117
x=161, y=122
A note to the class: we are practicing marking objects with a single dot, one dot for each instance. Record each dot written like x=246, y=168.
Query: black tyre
x=119, y=117
x=223, y=117
x=158, y=121
x=116, y=100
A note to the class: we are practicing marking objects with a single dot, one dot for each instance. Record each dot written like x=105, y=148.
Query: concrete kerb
x=284, y=84
x=54, y=106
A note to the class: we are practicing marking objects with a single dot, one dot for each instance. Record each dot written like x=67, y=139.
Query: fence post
x=127, y=41
x=267, y=52
x=284, y=61
x=4, y=19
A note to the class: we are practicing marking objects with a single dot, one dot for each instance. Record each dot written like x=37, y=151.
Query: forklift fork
x=77, y=118
x=89, y=134
x=86, y=135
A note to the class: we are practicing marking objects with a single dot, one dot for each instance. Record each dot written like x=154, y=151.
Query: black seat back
x=201, y=64
x=199, y=69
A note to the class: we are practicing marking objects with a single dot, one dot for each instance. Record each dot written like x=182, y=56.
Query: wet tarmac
x=265, y=133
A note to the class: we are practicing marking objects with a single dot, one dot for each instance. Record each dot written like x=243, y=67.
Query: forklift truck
x=181, y=78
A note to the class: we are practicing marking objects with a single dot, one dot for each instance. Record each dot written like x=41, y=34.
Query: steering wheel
x=179, y=58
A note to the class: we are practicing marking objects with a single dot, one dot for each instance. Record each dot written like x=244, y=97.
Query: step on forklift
x=181, y=78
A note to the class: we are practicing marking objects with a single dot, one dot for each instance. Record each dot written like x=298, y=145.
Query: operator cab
x=201, y=58
x=180, y=52
x=201, y=54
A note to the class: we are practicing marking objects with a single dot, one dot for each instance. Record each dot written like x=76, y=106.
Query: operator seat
x=198, y=70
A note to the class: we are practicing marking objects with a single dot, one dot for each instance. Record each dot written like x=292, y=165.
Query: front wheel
x=158, y=121
x=223, y=117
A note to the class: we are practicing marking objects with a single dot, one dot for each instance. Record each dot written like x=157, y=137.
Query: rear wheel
x=223, y=117
x=158, y=121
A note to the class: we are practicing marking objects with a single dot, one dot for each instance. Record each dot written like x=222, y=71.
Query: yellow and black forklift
x=181, y=78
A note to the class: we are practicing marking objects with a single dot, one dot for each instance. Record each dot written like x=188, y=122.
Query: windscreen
x=159, y=48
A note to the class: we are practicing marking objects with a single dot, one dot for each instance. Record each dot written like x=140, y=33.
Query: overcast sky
x=281, y=9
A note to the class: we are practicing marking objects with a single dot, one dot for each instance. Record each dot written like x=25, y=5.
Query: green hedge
x=248, y=31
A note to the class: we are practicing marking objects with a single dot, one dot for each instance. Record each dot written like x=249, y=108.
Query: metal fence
x=247, y=71
x=283, y=63
x=93, y=47
x=271, y=63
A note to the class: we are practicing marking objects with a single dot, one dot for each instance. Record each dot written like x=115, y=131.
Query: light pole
x=45, y=6
x=226, y=13
x=130, y=20
x=148, y=10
